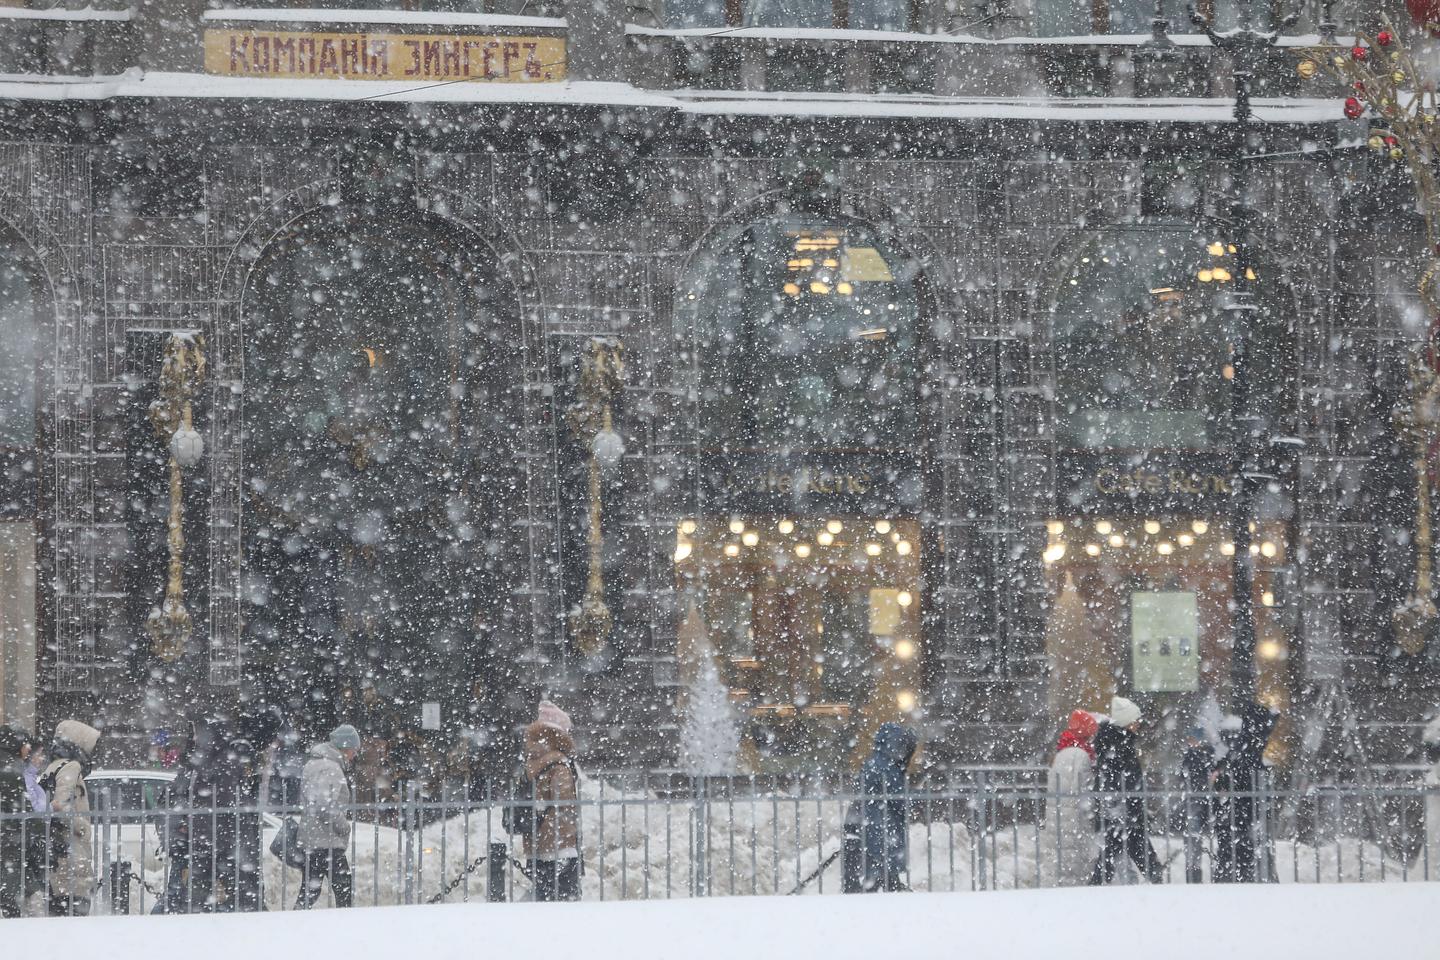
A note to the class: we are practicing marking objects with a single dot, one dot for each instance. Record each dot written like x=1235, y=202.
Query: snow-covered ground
x=1344, y=922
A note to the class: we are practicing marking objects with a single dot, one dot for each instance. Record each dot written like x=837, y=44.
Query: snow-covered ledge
x=901, y=36
x=84, y=14
x=389, y=17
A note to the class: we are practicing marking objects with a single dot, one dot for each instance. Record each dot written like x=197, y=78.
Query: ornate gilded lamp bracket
x=1415, y=619
x=602, y=377
x=181, y=371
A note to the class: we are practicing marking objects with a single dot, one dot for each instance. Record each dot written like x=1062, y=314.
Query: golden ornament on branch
x=602, y=377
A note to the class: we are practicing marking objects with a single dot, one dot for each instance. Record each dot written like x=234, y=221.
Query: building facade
x=911, y=330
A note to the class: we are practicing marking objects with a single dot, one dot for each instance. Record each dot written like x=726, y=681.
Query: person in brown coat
x=552, y=845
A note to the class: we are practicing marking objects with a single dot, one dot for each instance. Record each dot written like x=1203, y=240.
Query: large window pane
x=20, y=302
x=803, y=336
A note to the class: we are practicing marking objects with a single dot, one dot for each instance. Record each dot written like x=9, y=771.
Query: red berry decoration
x=1384, y=38
x=1354, y=108
x=1391, y=141
x=1358, y=53
x=1359, y=86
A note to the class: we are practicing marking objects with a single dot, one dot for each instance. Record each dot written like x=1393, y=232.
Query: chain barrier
x=815, y=874
x=449, y=888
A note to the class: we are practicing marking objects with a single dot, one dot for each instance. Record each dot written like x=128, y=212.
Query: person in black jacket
x=1120, y=782
x=1237, y=778
x=883, y=813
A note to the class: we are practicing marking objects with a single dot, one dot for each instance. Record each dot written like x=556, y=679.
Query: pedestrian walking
x=552, y=842
x=884, y=817
x=1120, y=781
x=1238, y=778
x=72, y=864
x=1071, y=781
x=1196, y=765
x=326, y=796
x=14, y=745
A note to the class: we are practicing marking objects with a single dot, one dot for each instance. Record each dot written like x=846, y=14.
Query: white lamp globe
x=187, y=447
x=608, y=448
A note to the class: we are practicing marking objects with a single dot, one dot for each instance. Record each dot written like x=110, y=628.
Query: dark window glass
x=803, y=335
x=20, y=311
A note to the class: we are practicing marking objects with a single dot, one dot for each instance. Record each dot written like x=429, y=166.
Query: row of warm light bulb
x=750, y=537
x=1056, y=551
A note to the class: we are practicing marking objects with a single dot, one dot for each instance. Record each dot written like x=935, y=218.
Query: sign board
x=430, y=716
x=291, y=55
x=874, y=482
x=1164, y=641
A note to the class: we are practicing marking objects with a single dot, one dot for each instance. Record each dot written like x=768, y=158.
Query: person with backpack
x=72, y=862
x=1120, y=781
x=326, y=796
x=551, y=836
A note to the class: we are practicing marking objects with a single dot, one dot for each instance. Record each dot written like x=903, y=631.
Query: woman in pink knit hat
x=552, y=845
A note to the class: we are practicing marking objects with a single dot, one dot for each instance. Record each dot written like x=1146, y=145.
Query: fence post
x=699, y=838
x=497, y=860
x=409, y=828
x=982, y=834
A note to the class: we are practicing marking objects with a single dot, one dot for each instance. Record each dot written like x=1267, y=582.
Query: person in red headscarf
x=1071, y=808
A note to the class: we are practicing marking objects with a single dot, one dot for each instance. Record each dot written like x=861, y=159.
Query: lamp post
x=181, y=371
x=1249, y=426
x=602, y=377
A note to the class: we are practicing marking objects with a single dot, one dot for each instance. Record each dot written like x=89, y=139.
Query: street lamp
x=1249, y=427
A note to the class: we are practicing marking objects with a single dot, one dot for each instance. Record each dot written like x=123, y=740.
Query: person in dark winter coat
x=1119, y=780
x=200, y=832
x=884, y=819
x=1237, y=776
x=13, y=748
x=1196, y=764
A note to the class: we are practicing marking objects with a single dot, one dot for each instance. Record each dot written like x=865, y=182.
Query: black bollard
x=498, y=860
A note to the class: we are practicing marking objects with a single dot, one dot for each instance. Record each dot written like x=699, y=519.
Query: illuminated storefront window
x=801, y=573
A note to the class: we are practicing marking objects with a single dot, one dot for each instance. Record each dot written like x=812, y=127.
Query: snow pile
x=1317, y=923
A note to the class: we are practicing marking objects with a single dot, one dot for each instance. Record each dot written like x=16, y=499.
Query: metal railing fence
x=721, y=837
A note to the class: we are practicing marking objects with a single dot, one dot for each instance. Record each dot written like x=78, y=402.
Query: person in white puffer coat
x=72, y=870
x=1071, y=818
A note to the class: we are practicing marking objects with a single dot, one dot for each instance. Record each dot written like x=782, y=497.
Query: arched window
x=22, y=297
x=1141, y=345
x=802, y=334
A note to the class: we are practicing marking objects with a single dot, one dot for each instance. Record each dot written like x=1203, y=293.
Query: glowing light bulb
x=1103, y=528
x=904, y=598
x=1165, y=548
x=1055, y=527
x=1267, y=598
x=750, y=538
x=1228, y=549
x=786, y=526
x=902, y=547
x=882, y=527
x=737, y=526
x=802, y=550
x=904, y=649
x=1116, y=540
x=824, y=538
x=687, y=526
x=1254, y=549
x=906, y=700
x=732, y=549
x=1267, y=549
x=1152, y=527
x=1200, y=527
x=683, y=549
x=873, y=549
x=1093, y=549
x=1054, y=553
x=1186, y=539
x=834, y=526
